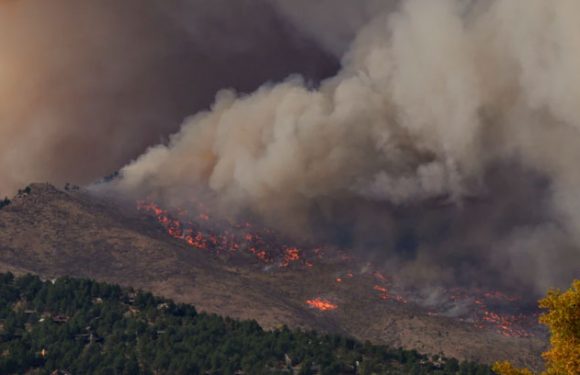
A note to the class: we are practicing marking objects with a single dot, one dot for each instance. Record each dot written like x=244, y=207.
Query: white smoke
x=430, y=98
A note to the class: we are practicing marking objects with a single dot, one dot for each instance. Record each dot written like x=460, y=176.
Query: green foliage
x=85, y=327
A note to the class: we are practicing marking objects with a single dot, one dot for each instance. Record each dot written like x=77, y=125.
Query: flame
x=290, y=255
x=487, y=315
x=321, y=304
x=386, y=296
x=386, y=293
x=210, y=235
x=485, y=307
x=380, y=289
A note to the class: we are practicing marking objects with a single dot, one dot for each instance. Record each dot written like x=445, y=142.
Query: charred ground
x=53, y=232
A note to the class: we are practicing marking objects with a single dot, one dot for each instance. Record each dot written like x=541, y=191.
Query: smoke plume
x=85, y=86
x=447, y=143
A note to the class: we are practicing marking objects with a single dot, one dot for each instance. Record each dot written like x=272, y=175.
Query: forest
x=78, y=326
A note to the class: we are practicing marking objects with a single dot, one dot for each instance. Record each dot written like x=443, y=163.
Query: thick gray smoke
x=85, y=86
x=449, y=141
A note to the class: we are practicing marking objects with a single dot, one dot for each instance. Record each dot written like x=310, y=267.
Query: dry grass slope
x=53, y=232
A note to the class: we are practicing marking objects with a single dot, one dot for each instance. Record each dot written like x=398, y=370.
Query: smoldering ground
x=447, y=144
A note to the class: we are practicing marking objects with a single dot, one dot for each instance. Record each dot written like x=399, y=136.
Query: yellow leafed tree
x=563, y=320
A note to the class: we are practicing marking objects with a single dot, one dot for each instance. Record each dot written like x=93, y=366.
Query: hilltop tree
x=5, y=202
x=563, y=320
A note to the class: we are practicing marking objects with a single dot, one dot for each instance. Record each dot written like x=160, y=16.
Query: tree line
x=80, y=326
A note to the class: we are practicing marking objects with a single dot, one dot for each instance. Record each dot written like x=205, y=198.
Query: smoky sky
x=85, y=86
x=440, y=137
x=446, y=145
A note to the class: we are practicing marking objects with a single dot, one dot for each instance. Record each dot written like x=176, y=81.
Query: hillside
x=53, y=233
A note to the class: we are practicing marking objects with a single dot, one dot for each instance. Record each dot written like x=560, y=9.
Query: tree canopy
x=563, y=320
x=84, y=327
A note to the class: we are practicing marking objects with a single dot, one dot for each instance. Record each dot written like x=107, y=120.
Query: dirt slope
x=53, y=232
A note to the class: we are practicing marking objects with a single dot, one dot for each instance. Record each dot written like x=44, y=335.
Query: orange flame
x=321, y=304
x=290, y=255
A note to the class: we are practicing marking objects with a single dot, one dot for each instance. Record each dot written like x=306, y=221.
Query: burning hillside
x=56, y=232
x=429, y=180
x=224, y=238
x=435, y=171
x=234, y=241
x=446, y=143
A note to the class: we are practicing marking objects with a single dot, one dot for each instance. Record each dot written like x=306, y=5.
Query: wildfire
x=290, y=255
x=384, y=286
x=489, y=310
x=486, y=309
x=229, y=238
x=511, y=325
x=321, y=304
x=380, y=289
x=386, y=296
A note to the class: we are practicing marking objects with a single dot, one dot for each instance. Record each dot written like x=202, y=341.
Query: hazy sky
x=446, y=135
x=85, y=86
x=448, y=141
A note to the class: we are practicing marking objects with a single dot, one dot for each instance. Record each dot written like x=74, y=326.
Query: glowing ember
x=380, y=289
x=290, y=255
x=485, y=309
x=321, y=304
x=385, y=296
x=222, y=237
x=488, y=310
x=385, y=286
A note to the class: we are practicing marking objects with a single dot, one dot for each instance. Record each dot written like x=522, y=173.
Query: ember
x=222, y=237
x=290, y=255
x=321, y=304
x=483, y=308
x=385, y=286
x=380, y=289
x=488, y=310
